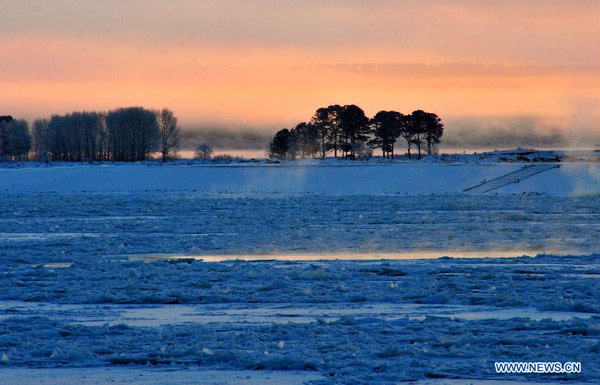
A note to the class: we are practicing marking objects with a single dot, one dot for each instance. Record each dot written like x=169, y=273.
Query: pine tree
x=355, y=127
x=386, y=127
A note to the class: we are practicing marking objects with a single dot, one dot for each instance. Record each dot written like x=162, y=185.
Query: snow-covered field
x=338, y=178
x=91, y=292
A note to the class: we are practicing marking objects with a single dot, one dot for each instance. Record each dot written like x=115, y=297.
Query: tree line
x=347, y=131
x=15, y=140
x=135, y=134
x=124, y=134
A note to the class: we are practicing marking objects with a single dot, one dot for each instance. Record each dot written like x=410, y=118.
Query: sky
x=268, y=64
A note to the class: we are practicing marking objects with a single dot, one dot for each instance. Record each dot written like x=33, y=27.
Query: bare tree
x=133, y=133
x=74, y=137
x=15, y=139
x=203, y=151
x=169, y=133
x=39, y=129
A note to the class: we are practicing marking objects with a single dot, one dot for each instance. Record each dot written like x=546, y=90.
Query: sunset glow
x=269, y=64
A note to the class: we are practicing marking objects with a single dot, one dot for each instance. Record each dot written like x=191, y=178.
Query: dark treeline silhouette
x=124, y=134
x=347, y=131
x=15, y=140
x=136, y=134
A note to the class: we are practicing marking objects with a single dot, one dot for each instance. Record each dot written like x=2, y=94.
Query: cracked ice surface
x=71, y=297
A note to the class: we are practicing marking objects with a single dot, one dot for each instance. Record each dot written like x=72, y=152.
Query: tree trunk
x=335, y=143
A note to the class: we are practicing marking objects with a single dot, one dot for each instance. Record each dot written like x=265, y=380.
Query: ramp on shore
x=512, y=177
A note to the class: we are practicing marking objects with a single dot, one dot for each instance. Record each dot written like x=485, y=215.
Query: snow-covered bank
x=412, y=178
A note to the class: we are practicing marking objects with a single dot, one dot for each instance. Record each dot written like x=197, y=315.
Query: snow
x=137, y=376
x=350, y=321
x=487, y=382
x=50, y=228
x=335, y=178
x=517, y=282
x=192, y=273
x=257, y=313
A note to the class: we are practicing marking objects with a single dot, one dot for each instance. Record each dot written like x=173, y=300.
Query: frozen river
x=292, y=288
x=334, y=321
x=60, y=227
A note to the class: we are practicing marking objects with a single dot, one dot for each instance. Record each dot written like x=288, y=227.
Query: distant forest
x=124, y=134
x=348, y=132
x=136, y=134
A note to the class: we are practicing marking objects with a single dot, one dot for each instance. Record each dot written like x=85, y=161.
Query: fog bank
x=467, y=132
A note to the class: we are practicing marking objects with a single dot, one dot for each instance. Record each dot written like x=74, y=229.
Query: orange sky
x=264, y=63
